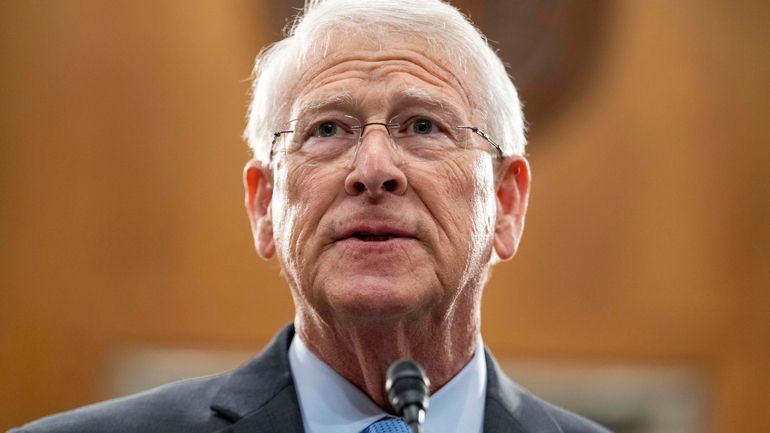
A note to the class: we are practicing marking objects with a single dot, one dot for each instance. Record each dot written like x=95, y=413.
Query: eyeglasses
x=425, y=136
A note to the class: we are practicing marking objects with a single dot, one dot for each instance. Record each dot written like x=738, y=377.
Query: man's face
x=379, y=233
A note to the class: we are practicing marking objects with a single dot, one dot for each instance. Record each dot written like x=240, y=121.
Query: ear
x=512, y=189
x=258, y=183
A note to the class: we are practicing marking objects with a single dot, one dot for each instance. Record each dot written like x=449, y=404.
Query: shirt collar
x=331, y=404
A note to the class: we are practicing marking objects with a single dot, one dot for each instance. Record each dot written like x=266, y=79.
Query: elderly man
x=387, y=178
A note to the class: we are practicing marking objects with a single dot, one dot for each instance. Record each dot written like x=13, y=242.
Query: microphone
x=407, y=387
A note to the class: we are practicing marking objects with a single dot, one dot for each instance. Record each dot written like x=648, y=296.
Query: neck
x=362, y=350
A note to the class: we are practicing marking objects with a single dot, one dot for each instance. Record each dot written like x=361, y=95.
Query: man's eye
x=327, y=129
x=422, y=126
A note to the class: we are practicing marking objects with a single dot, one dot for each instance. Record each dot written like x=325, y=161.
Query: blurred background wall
x=122, y=227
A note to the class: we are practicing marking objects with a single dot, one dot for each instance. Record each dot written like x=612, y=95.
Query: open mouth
x=374, y=237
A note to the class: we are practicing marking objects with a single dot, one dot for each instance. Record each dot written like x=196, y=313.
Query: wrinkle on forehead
x=357, y=59
x=410, y=96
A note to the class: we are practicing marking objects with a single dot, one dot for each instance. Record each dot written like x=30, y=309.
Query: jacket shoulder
x=567, y=421
x=531, y=414
x=177, y=407
x=509, y=407
x=202, y=405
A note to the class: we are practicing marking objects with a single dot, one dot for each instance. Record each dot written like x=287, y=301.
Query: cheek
x=484, y=203
x=300, y=198
x=280, y=212
x=460, y=198
x=463, y=196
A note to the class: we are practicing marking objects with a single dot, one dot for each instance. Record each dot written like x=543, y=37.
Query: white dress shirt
x=331, y=404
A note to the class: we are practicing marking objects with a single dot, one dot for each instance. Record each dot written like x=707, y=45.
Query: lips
x=374, y=233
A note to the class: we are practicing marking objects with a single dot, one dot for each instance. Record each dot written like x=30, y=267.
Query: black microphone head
x=407, y=387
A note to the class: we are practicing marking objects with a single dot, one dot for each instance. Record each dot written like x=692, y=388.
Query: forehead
x=380, y=71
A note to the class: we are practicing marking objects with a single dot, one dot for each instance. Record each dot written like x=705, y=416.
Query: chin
x=376, y=298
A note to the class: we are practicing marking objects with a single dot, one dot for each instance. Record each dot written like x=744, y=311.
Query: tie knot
x=388, y=425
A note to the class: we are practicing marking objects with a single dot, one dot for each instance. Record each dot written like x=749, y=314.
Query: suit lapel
x=502, y=402
x=259, y=397
x=511, y=409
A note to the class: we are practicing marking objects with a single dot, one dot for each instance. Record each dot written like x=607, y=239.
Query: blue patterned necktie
x=388, y=425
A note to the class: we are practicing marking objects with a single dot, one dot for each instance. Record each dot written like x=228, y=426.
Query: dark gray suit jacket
x=259, y=397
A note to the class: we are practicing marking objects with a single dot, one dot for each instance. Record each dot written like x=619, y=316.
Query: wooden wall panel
x=121, y=214
x=122, y=218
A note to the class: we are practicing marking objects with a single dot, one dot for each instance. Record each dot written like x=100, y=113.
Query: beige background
x=121, y=216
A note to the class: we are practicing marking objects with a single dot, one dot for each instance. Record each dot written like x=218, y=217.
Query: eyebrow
x=337, y=100
x=418, y=96
x=407, y=97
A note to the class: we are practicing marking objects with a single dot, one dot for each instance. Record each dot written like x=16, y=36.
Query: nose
x=375, y=170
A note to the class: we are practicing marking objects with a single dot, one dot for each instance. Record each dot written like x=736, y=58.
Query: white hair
x=447, y=32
